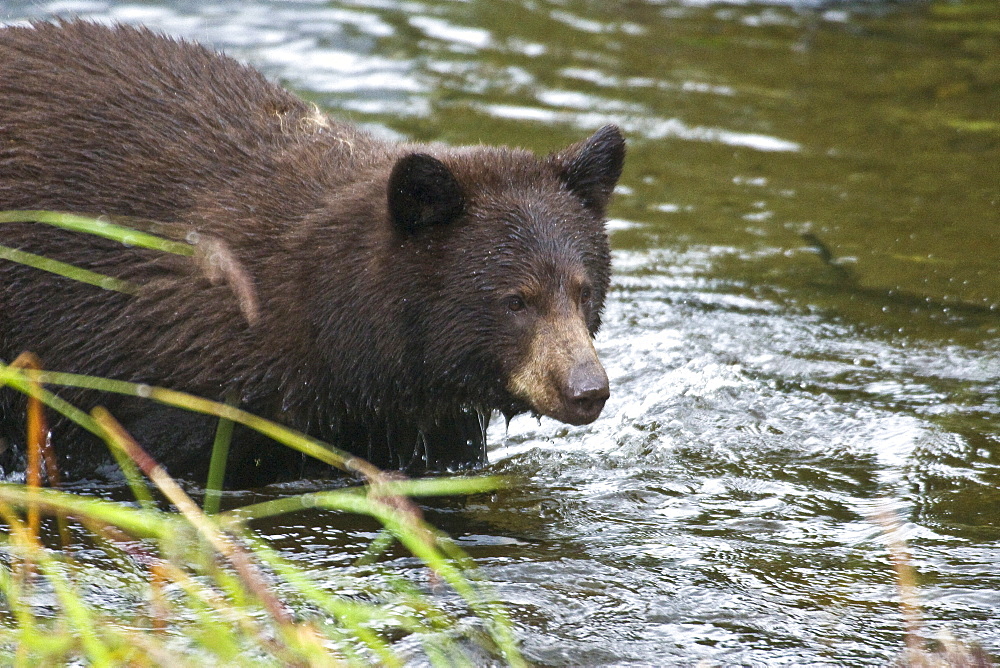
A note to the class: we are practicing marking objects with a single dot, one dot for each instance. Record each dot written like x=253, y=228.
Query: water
x=803, y=324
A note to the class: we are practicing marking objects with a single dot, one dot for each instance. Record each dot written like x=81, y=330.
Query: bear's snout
x=585, y=393
x=561, y=376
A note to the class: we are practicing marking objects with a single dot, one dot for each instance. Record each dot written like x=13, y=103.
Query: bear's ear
x=591, y=168
x=422, y=192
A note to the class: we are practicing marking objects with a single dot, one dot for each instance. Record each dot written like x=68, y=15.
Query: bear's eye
x=586, y=294
x=515, y=303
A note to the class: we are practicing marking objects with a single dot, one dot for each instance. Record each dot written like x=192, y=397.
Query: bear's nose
x=586, y=392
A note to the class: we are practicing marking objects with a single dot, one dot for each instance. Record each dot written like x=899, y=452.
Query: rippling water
x=803, y=324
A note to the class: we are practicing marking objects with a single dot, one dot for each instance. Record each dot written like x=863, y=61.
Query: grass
x=207, y=585
x=161, y=581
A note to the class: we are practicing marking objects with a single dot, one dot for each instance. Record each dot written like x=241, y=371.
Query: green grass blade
x=217, y=465
x=139, y=522
x=382, y=542
x=98, y=227
x=407, y=488
x=67, y=270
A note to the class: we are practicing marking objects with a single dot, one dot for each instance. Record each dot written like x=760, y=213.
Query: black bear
x=394, y=295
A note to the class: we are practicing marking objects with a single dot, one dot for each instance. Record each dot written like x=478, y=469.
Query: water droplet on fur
x=144, y=391
x=192, y=238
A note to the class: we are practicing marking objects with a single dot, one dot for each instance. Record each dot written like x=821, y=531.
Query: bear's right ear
x=423, y=192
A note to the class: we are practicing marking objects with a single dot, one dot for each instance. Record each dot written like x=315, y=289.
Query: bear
x=390, y=297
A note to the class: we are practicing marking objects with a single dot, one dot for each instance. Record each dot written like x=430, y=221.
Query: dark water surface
x=803, y=322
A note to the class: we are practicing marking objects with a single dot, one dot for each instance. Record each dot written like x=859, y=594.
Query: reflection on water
x=803, y=321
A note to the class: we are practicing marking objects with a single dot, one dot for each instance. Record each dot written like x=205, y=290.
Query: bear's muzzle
x=561, y=376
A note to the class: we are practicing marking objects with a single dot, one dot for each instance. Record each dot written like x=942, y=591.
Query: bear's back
x=124, y=121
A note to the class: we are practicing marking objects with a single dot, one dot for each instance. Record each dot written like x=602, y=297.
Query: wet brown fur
x=379, y=326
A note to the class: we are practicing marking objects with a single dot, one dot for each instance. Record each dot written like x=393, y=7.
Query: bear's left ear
x=422, y=192
x=591, y=168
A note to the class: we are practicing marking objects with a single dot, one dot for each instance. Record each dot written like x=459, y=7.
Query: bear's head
x=507, y=265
